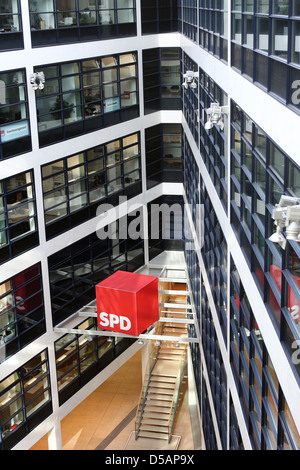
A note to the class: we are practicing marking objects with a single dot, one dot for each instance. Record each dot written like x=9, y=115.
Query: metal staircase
x=166, y=368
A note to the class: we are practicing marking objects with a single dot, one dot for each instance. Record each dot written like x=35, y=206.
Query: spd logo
x=111, y=320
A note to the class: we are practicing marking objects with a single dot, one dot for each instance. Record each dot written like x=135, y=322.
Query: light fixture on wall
x=216, y=116
x=286, y=214
x=189, y=79
x=37, y=80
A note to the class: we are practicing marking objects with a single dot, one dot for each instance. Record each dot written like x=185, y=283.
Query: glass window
x=22, y=394
x=61, y=102
x=280, y=38
x=277, y=161
x=41, y=15
x=14, y=122
x=262, y=40
x=10, y=16
x=296, y=8
x=281, y=7
x=260, y=142
x=293, y=179
x=76, y=182
x=21, y=310
x=296, y=41
x=263, y=6
x=18, y=217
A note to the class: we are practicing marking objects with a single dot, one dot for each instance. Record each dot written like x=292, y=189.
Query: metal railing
x=180, y=375
x=143, y=396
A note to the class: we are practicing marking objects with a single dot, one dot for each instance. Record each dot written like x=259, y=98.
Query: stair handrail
x=143, y=395
x=180, y=374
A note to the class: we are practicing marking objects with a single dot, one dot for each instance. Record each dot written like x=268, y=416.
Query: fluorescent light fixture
x=5, y=401
x=61, y=357
x=32, y=381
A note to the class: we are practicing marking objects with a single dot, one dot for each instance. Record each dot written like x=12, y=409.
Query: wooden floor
x=105, y=420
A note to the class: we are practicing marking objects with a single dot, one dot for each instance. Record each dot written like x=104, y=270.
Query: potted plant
x=66, y=108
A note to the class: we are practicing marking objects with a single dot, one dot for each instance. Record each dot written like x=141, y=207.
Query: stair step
x=171, y=354
x=155, y=421
x=164, y=394
x=172, y=346
x=175, y=324
x=156, y=409
x=174, y=328
x=162, y=387
x=169, y=357
x=165, y=368
x=152, y=427
x=157, y=379
x=163, y=378
x=153, y=435
x=157, y=416
x=173, y=349
x=164, y=403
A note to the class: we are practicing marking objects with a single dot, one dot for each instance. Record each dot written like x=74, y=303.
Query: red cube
x=127, y=302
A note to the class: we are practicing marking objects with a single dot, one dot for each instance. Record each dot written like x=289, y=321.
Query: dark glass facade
x=14, y=117
x=11, y=28
x=261, y=173
x=161, y=76
x=18, y=219
x=86, y=95
x=25, y=400
x=265, y=47
x=163, y=154
x=80, y=357
x=22, y=316
x=75, y=186
x=75, y=270
x=158, y=17
x=70, y=21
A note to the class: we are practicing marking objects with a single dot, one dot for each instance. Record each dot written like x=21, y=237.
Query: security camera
x=189, y=79
x=286, y=201
x=209, y=125
x=286, y=213
x=216, y=116
x=37, y=80
x=293, y=223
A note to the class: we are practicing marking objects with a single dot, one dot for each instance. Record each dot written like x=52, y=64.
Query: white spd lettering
x=111, y=319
